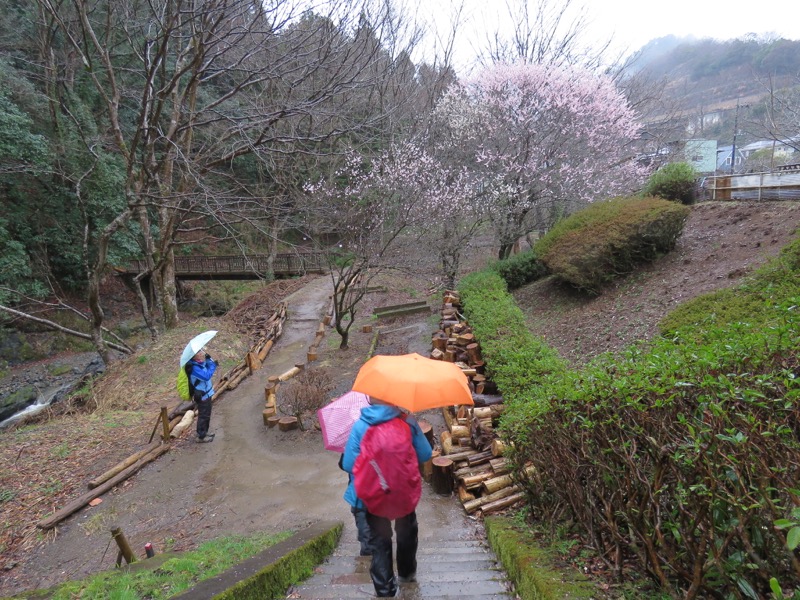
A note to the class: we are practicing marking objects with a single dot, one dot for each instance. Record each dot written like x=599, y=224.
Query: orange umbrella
x=413, y=382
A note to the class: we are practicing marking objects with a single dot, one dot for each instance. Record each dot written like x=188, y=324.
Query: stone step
x=451, y=569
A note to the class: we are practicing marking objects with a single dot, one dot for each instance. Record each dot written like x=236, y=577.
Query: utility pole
x=735, y=129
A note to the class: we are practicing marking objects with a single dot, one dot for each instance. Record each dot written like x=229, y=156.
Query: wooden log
x=442, y=476
x=492, y=485
x=179, y=410
x=474, y=505
x=123, y=545
x=273, y=420
x=465, y=339
x=448, y=417
x=462, y=472
x=473, y=482
x=459, y=432
x=447, y=442
x=235, y=381
x=185, y=423
x=253, y=362
x=427, y=430
x=464, y=495
x=80, y=502
x=461, y=455
x=437, y=354
x=498, y=505
x=295, y=370
x=500, y=466
x=480, y=458
x=266, y=414
x=367, y=329
x=122, y=465
x=288, y=423
x=262, y=354
x=481, y=412
x=473, y=353
x=439, y=341
x=311, y=355
x=426, y=470
x=498, y=447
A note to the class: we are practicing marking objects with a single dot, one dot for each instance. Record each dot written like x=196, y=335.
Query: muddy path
x=250, y=478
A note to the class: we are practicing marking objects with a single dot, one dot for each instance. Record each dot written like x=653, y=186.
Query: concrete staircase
x=453, y=561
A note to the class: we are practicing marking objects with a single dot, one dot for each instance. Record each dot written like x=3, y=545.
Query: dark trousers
x=362, y=527
x=381, y=570
x=203, y=417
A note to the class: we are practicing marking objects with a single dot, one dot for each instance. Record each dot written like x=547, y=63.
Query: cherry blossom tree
x=398, y=211
x=541, y=141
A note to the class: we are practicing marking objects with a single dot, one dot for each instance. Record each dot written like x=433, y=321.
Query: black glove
x=208, y=357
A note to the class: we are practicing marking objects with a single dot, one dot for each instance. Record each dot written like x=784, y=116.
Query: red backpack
x=386, y=472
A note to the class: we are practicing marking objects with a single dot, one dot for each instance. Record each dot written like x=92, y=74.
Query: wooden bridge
x=255, y=266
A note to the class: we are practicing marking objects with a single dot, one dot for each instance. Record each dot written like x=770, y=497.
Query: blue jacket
x=201, y=377
x=373, y=415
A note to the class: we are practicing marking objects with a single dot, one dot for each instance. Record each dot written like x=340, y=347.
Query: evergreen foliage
x=673, y=181
x=608, y=239
x=519, y=269
x=683, y=453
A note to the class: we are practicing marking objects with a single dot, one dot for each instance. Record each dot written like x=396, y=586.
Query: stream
x=26, y=391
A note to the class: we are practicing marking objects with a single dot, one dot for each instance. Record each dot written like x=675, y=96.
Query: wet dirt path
x=250, y=478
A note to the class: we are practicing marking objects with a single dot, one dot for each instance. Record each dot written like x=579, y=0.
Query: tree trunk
x=442, y=476
x=168, y=291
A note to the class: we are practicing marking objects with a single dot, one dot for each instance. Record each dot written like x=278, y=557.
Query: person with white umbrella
x=200, y=369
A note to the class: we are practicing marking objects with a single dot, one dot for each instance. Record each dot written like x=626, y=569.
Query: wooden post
x=164, y=424
x=287, y=423
x=124, y=546
x=427, y=429
x=311, y=355
x=442, y=476
x=273, y=420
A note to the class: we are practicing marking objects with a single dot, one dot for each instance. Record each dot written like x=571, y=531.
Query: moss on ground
x=532, y=568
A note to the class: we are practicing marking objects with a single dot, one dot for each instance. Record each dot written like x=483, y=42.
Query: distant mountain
x=703, y=80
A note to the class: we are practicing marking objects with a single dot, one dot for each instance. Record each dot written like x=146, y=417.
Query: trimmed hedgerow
x=679, y=457
x=684, y=455
x=520, y=269
x=516, y=360
x=592, y=247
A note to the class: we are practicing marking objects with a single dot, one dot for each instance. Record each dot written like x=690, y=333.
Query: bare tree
x=189, y=89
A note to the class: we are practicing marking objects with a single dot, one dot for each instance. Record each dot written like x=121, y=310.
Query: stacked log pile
x=455, y=342
x=471, y=461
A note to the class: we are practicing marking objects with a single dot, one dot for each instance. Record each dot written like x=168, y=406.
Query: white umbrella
x=195, y=345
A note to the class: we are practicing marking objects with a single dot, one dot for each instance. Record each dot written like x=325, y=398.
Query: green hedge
x=680, y=455
x=520, y=269
x=592, y=247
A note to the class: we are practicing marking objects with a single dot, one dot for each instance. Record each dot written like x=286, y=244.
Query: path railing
x=239, y=267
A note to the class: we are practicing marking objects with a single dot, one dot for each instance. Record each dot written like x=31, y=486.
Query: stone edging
x=270, y=573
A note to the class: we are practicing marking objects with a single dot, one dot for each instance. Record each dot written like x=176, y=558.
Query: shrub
x=592, y=247
x=520, y=269
x=674, y=181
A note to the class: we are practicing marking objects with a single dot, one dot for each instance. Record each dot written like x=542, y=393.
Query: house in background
x=724, y=159
x=701, y=154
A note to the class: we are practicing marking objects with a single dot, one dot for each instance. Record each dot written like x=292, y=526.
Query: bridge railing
x=239, y=266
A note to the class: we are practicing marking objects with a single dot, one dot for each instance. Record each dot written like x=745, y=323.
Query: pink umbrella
x=336, y=419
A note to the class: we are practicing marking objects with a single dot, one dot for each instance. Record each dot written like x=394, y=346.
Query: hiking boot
x=411, y=578
x=206, y=439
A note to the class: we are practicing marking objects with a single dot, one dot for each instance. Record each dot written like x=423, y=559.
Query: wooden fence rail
x=780, y=185
x=239, y=267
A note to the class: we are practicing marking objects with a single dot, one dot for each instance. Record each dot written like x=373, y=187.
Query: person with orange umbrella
x=384, y=451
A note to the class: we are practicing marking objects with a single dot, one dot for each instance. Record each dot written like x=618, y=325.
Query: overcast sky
x=632, y=23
